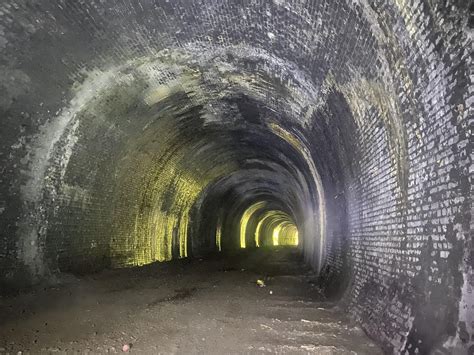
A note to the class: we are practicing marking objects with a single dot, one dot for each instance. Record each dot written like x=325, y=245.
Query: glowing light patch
x=281, y=226
x=162, y=217
x=288, y=235
x=245, y=220
x=258, y=230
x=218, y=236
x=276, y=235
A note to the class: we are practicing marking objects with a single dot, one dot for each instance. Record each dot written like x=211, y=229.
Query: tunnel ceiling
x=141, y=131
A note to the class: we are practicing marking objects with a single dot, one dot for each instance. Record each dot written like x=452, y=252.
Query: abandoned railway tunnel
x=149, y=134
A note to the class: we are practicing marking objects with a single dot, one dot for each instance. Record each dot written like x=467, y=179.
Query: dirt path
x=185, y=307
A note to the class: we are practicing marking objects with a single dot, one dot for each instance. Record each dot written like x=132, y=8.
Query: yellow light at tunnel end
x=285, y=227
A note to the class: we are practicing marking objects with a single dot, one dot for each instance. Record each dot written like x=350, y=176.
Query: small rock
x=126, y=348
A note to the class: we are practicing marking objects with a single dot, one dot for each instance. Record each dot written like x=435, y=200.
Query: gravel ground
x=192, y=306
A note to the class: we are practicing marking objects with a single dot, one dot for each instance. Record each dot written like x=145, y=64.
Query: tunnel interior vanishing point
x=144, y=131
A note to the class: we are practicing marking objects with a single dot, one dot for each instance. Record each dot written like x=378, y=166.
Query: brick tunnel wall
x=378, y=95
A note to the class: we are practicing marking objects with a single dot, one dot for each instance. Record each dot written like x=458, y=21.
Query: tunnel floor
x=210, y=306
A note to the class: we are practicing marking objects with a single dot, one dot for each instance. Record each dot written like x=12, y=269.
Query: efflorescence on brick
x=136, y=132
